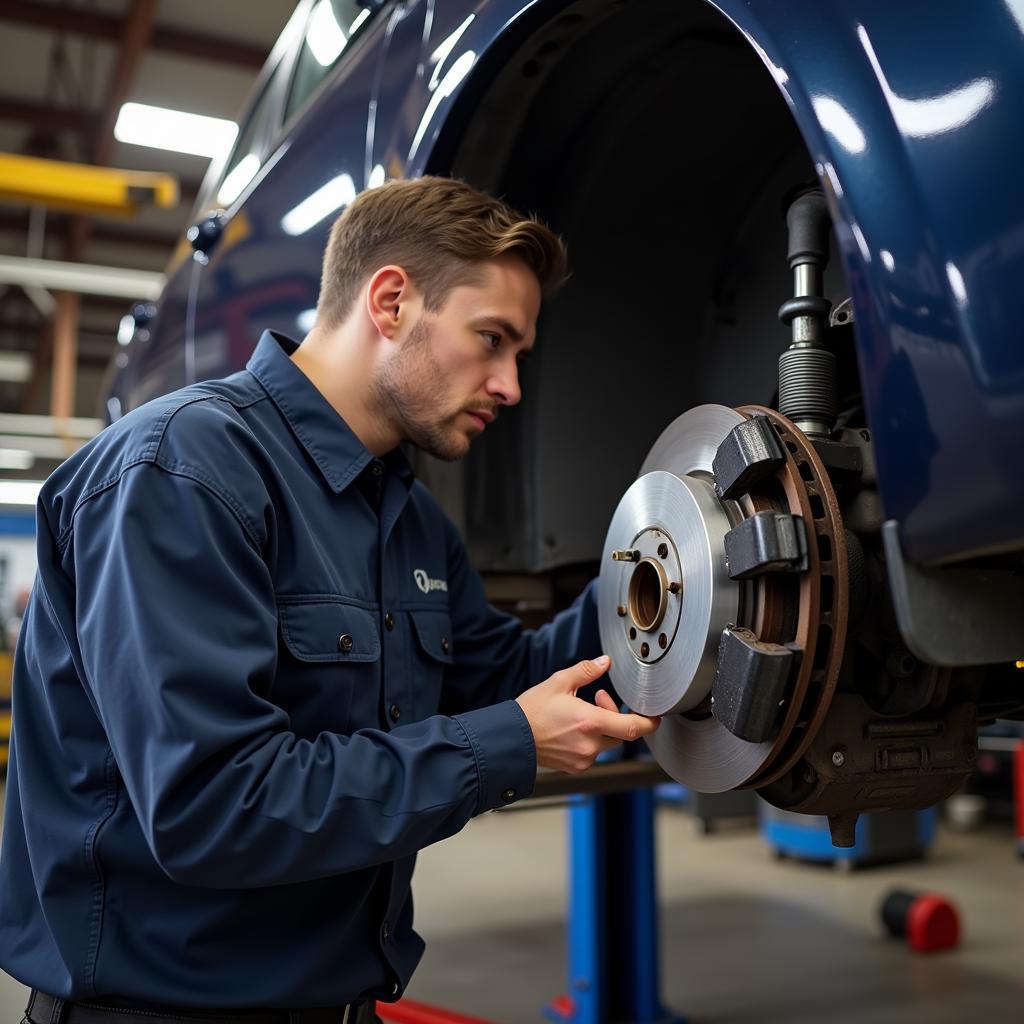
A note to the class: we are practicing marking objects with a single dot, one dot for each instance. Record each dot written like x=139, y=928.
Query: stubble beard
x=411, y=391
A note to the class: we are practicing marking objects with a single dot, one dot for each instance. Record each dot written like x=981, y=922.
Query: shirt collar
x=331, y=444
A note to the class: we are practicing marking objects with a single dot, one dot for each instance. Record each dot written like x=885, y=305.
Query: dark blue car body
x=662, y=133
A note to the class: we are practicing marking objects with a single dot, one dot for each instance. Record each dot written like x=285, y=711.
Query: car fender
x=913, y=127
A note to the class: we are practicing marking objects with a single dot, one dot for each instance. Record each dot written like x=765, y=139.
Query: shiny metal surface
x=685, y=510
x=704, y=755
x=699, y=752
x=912, y=117
x=689, y=443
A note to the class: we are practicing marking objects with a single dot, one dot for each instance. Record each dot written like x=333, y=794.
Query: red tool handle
x=1018, y=788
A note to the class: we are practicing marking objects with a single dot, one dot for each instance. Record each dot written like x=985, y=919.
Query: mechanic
x=257, y=672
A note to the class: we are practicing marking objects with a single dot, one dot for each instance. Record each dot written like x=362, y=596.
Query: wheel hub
x=668, y=534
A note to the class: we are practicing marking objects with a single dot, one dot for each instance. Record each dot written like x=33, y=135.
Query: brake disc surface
x=671, y=528
x=666, y=596
x=672, y=494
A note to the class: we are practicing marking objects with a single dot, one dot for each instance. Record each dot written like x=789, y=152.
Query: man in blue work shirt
x=257, y=672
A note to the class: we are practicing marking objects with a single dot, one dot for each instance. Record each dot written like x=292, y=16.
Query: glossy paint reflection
x=911, y=116
x=931, y=229
x=331, y=197
x=237, y=179
x=931, y=115
x=836, y=120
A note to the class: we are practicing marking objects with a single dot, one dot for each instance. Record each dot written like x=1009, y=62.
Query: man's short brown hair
x=438, y=230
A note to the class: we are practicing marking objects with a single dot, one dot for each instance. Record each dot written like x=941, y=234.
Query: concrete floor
x=744, y=937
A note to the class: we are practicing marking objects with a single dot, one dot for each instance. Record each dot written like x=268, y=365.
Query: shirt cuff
x=506, y=758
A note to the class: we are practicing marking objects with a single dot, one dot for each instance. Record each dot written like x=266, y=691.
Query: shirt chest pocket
x=331, y=668
x=433, y=654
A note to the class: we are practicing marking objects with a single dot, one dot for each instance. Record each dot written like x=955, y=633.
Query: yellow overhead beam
x=82, y=187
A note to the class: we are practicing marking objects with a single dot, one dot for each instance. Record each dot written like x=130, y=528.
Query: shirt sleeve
x=177, y=628
x=495, y=658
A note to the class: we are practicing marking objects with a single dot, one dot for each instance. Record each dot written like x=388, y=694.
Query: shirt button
x=389, y=622
x=378, y=469
x=395, y=712
x=345, y=643
x=444, y=644
x=508, y=796
x=384, y=932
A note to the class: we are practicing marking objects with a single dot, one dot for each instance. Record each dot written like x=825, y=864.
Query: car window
x=331, y=27
x=247, y=155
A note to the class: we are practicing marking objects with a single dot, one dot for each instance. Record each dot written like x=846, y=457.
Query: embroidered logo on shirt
x=426, y=584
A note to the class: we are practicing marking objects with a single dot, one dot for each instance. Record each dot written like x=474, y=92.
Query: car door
x=261, y=268
x=163, y=358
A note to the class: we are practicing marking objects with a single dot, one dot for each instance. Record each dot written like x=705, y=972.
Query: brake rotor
x=672, y=571
x=666, y=596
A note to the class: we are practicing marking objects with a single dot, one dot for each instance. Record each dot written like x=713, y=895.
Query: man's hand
x=568, y=732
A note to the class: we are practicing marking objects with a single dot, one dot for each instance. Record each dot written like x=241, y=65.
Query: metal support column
x=65, y=356
x=612, y=937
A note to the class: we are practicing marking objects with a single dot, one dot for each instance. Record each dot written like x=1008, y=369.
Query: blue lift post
x=612, y=934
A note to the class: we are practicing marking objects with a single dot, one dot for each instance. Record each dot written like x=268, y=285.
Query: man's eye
x=493, y=340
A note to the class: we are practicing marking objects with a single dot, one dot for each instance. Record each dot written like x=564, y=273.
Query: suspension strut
x=807, y=370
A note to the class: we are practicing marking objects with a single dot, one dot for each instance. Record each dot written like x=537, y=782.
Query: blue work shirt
x=257, y=673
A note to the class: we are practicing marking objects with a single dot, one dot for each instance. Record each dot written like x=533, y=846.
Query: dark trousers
x=45, y=1009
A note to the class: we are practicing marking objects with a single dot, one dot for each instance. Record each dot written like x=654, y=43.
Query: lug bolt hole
x=644, y=650
x=663, y=551
x=663, y=641
x=632, y=632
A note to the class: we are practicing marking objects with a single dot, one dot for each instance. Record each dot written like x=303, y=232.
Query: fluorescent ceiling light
x=337, y=193
x=242, y=173
x=15, y=366
x=325, y=37
x=58, y=448
x=19, y=492
x=50, y=426
x=306, y=320
x=81, y=277
x=16, y=458
x=176, y=130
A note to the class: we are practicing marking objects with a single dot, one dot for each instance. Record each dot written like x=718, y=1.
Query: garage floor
x=745, y=938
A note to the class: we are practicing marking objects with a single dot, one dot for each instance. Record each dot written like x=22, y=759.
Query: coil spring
x=807, y=385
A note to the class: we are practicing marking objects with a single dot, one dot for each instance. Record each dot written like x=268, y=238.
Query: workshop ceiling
x=67, y=68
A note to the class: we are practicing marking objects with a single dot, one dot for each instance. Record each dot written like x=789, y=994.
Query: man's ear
x=388, y=291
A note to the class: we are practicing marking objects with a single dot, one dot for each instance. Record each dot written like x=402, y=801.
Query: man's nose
x=504, y=386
